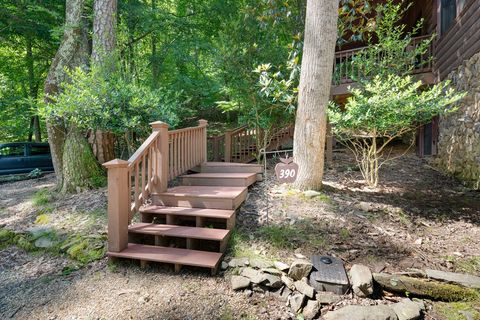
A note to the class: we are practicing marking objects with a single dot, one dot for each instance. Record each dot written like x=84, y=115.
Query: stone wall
x=459, y=133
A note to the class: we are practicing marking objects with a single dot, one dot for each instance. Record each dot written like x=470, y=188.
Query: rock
x=328, y=297
x=254, y=275
x=362, y=281
x=311, y=309
x=224, y=265
x=39, y=231
x=380, y=312
x=463, y=279
x=366, y=206
x=273, y=281
x=259, y=288
x=239, y=282
x=272, y=271
x=44, y=242
x=238, y=262
x=296, y=302
x=248, y=293
x=311, y=194
x=304, y=288
x=288, y=282
x=299, y=269
x=299, y=256
x=281, y=266
x=407, y=310
x=282, y=293
x=260, y=263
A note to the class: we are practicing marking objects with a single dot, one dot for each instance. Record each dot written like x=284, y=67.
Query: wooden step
x=230, y=167
x=219, y=179
x=179, y=231
x=176, y=256
x=199, y=214
x=228, y=198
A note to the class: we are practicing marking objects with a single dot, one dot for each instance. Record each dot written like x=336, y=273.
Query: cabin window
x=448, y=14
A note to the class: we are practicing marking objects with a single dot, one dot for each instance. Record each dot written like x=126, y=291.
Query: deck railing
x=345, y=71
x=162, y=157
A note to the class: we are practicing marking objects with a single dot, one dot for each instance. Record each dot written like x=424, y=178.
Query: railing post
x=228, y=145
x=203, y=123
x=329, y=148
x=118, y=204
x=162, y=156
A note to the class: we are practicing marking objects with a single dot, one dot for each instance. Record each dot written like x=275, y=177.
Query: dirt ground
x=416, y=218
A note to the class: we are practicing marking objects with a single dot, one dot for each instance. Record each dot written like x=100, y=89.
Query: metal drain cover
x=329, y=275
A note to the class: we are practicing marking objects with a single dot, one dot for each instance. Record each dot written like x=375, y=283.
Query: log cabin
x=452, y=142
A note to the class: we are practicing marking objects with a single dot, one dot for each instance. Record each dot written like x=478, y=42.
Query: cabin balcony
x=344, y=70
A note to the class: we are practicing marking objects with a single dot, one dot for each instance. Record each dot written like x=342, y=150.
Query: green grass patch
x=344, y=234
x=454, y=310
x=85, y=249
x=471, y=265
x=279, y=236
x=7, y=238
x=42, y=197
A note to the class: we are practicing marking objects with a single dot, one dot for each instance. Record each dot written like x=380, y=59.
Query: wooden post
x=329, y=156
x=204, y=123
x=228, y=146
x=118, y=203
x=162, y=157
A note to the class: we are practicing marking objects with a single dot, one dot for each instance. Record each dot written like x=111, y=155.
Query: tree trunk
x=424, y=288
x=32, y=91
x=73, y=52
x=104, y=29
x=80, y=168
x=314, y=91
x=103, y=47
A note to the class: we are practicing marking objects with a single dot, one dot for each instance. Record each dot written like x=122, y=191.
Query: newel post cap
x=116, y=163
x=202, y=122
x=158, y=125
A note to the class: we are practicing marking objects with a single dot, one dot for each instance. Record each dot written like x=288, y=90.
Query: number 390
x=287, y=173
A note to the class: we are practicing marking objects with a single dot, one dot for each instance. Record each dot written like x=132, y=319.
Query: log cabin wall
x=461, y=41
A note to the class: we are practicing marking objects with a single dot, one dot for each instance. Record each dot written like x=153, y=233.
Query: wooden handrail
x=344, y=69
x=162, y=157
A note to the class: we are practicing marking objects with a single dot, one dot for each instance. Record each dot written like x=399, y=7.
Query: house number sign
x=286, y=171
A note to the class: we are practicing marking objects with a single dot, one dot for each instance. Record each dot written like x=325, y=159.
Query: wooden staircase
x=187, y=225
x=240, y=145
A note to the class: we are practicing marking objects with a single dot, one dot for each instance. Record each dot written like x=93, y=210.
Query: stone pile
x=289, y=283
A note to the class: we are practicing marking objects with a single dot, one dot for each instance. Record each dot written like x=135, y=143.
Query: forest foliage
x=184, y=59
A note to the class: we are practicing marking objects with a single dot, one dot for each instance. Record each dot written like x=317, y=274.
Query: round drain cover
x=326, y=260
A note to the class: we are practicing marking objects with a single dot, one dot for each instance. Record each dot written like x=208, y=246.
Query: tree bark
x=72, y=52
x=314, y=91
x=80, y=168
x=104, y=29
x=103, y=48
x=32, y=90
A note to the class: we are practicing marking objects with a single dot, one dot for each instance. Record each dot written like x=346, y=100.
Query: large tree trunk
x=80, y=168
x=314, y=91
x=32, y=91
x=73, y=52
x=103, y=47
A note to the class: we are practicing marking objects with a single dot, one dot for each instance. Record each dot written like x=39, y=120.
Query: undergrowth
x=80, y=248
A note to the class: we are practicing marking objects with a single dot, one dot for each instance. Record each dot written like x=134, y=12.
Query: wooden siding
x=461, y=41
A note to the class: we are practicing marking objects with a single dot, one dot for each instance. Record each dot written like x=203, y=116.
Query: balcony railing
x=345, y=70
